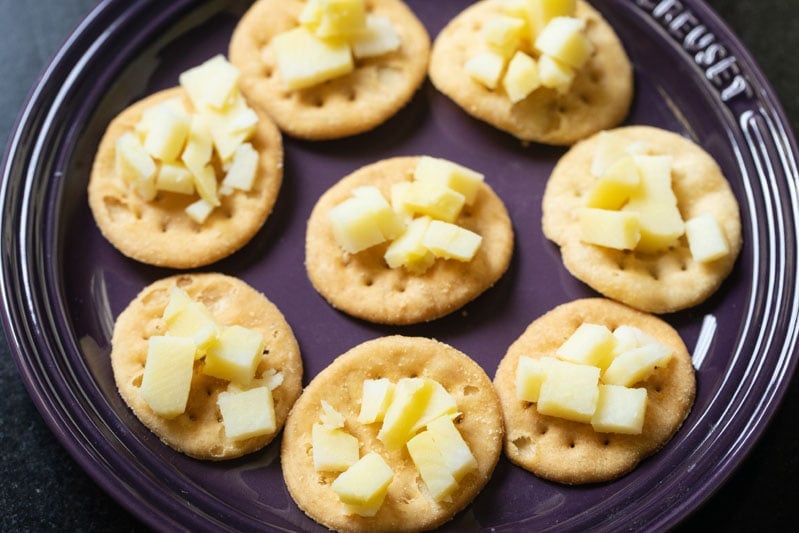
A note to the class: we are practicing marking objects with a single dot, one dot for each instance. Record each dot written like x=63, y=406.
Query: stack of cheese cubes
x=332, y=35
x=175, y=150
x=632, y=205
x=419, y=221
x=534, y=43
x=415, y=413
x=230, y=353
x=592, y=375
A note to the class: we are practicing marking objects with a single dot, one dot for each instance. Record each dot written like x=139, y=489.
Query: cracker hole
x=368, y=282
x=352, y=96
x=209, y=391
x=191, y=416
x=606, y=442
x=585, y=98
x=522, y=443
x=136, y=382
x=595, y=76
x=542, y=429
x=216, y=450
x=468, y=390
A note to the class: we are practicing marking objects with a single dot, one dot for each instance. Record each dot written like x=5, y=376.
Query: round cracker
x=199, y=432
x=160, y=232
x=599, y=97
x=364, y=286
x=662, y=282
x=571, y=452
x=406, y=507
x=354, y=103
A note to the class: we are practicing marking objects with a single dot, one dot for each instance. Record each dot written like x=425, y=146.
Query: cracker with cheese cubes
x=542, y=71
x=188, y=175
x=428, y=432
x=207, y=363
x=329, y=69
x=571, y=421
x=643, y=216
x=381, y=270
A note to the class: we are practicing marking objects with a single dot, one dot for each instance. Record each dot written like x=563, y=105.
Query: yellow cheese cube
x=167, y=374
x=376, y=397
x=178, y=301
x=629, y=337
x=379, y=37
x=341, y=18
x=231, y=127
x=610, y=148
x=353, y=225
x=451, y=241
x=398, y=194
x=619, y=410
x=456, y=452
x=540, y=12
x=636, y=365
x=408, y=250
x=486, y=68
x=530, y=375
x=174, y=177
x=521, y=78
x=142, y=127
x=612, y=229
x=705, y=238
x=440, y=403
x=563, y=38
x=213, y=83
x=390, y=223
x=199, y=211
x=430, y=463
x=364, y=485
x=334, y=450
x=311, y=14
x=660, y=224
x=569, y=391
x=555, y=74
x=504, y=34
x=206, y=185
x=411, y=396
x=243, y=169
x=655, y=175
x=457, y=177
x=247, y=413
x=199, y=145
x=135, y=166
x=167, y=134
x=617, y=183
x=305, y=60
x=234, y=354
x=590, y=344
x=331, y=418
x=197, y=323
x=426, y=197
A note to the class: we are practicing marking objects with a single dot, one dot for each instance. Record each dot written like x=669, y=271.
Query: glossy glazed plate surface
x=64, y=284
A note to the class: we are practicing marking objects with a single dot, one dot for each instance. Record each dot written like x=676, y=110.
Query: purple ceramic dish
x=63, y=284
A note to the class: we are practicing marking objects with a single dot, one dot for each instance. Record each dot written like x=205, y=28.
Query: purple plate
x=63, y=284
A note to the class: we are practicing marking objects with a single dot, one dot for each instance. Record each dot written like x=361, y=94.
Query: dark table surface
x=43, y=488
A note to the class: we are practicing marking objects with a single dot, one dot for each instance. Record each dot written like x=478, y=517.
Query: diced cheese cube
x=590, y=344
x=378, y=38
x=331, y=418
x=334, y=450
x=305, y=60
x=654, y=172
x=619, y=410
x=660, y=224
x=376, y=397
x=390, y=223
x=167, y=374
x=411, y=396
x=615, y=185
x=457, y=177
x=504, y=34
x=705, y=238
x=563, y=38
x=178, y=301
x=610, y=148
x=457, y=454
x=206, y=185
x=408, y=249
x=231, y=127
x=540, y=12
x=636, y=365
x=440, y=403
x=213, y=83
x=426, y=197
x=199, y=145
x=555, y=74
x=521, y=78
x=175, y=105
x=199, y=211
x=353, y=225
x=629, y=337
x=451, y=241
x=196, y=322
x=429, y=461
x=569, y=391
x=174, y=177
x=364, y=485
x=486, y=68
x=135, y=166
x=399, y=192
x=167, y=134
x=612, y=229
x=247, y=413
x=341, y=18
x=243, y=169
x=234, y=354
x=530, y=375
